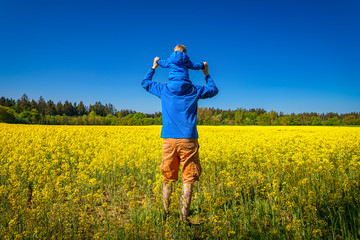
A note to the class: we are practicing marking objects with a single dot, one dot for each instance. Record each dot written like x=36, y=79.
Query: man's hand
x=205, y=69
x=155, y=64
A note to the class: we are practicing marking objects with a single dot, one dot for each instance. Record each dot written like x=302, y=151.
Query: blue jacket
x=179, y=63
x=179, y=104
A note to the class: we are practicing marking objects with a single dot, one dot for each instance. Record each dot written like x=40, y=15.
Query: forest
x=28, y=111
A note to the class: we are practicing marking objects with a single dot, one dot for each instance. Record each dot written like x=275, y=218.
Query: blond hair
x=180, y=47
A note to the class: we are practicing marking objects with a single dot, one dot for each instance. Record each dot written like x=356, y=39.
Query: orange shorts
x=181, y=151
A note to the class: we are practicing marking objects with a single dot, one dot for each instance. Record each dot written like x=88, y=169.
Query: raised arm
x=163, y=63
x=150, y=86
x=210, y=90
x=195, y=66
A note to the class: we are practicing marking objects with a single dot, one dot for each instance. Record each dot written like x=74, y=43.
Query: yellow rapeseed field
x=82, y=182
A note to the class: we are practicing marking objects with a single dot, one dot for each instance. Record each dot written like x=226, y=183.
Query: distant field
x=81, y=182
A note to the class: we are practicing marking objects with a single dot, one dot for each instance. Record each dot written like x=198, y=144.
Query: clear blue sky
x=289, y=55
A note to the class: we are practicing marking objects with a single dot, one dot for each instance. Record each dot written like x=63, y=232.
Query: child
x=179, y=63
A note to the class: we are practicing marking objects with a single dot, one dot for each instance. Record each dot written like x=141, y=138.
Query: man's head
x=180, y=48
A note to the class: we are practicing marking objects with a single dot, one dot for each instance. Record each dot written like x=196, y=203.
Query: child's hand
x=205, y=69
x=155, y=64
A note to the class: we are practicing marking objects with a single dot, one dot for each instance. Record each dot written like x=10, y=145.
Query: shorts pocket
x=196, y=170
x=169, y=170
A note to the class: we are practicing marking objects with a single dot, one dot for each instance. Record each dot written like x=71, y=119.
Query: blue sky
x=289, y=56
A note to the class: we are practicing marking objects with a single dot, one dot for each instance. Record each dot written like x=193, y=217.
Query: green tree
x=284, y=120
x=206, y=120
x=110, y=109
x=92, y=114
x=74, y=121
x=148, y=121
x=350, y=120
x=357, y=122
x=58, y=119
x=50, y=108
x=332, y=121
x=273, y=117
x=6, y=102
x=131, y=121
x=316, y=121
x=263, y=119
x=81, y=110
x=293, y=119
x=30, y=116
x=23, y=103
x=100, y=109
x=139, y=115
x=158, y=120
x=250, y=118
x=85, y=120
x=240, y=117
x=59, y=108
x=231, y=122
x=204, y=115
x=7, y=115
x=110, y=120
x=69, y=109
x=33, y=104
x=215, y=120
x=41, y=106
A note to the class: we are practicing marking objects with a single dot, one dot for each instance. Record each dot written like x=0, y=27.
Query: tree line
x=28, y=111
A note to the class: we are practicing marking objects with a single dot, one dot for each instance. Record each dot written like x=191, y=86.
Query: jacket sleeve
x=208, y=91
x=150, y=86
x=195, y=66
x=163, y=63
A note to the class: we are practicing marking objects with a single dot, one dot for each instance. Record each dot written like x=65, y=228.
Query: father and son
x=179, y=102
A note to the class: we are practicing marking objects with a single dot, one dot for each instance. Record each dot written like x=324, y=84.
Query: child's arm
x=195, y=66
x=163, y=63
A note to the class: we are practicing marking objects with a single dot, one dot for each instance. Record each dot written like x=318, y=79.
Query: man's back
x=179, y=104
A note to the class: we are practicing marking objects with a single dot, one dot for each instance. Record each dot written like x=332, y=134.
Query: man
x=179, y=99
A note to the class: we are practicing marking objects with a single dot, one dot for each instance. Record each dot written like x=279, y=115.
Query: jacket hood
x=179, y=58
x=179, y=87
